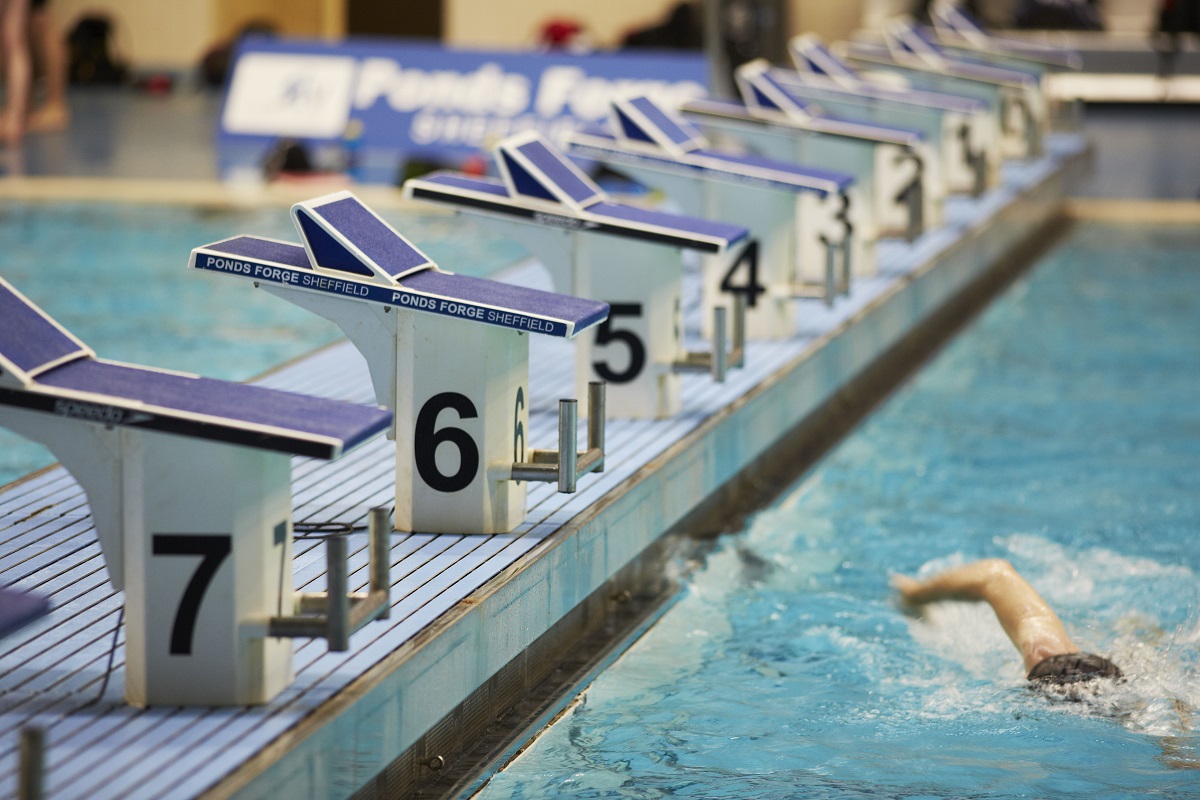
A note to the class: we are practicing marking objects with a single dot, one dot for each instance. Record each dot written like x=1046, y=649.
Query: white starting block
x=449, y=354
x=965, y=136
x=957, y=30
x=795, y=214
x=960, y=34
x=1014, y=96
x=893, y=168
x=189, y=484
x=626, y=255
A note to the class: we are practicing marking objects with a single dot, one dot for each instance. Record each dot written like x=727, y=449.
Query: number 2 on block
x=213, y=550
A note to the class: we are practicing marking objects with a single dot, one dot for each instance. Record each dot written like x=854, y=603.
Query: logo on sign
x=282, y=94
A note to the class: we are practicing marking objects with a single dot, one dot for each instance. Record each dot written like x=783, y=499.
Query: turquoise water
x=1061, y=432
x=114, y=275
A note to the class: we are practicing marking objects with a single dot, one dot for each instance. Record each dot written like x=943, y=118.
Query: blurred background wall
x=151, y=34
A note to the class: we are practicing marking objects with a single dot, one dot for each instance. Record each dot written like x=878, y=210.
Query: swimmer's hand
x=909, y=589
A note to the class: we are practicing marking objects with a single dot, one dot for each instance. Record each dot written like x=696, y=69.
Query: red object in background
x=156, y=84
x=475, y=165
x=559, y=34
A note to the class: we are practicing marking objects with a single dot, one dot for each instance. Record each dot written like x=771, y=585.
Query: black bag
x=91, y=58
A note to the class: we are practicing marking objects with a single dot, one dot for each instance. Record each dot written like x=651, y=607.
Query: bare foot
x=10, y=133
x=49, y=118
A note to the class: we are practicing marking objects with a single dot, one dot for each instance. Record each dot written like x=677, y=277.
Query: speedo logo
x=556, y=221
x=93, y=412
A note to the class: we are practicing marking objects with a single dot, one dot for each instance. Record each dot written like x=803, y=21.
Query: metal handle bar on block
x=837, y=282
x=913, y=198
x=721, y=358
x=336, y=613
x=976, y=161
x=566, y=465
x=31, y=775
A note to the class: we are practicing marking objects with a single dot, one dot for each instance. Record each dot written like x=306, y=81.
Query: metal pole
x=32, y=770
x=381, y=556
x=739, y=330
x=830, y=271
x=720, y=361
x=596, y=417
x=337, y=597
x=568, y=453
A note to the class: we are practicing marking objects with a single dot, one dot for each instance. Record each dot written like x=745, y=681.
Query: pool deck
x=463, y=607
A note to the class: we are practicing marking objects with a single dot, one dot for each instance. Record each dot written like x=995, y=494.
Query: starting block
x=598, y=248
x=957, y=30
x=797, y=215
x=893, y=168
x=1013, y=95
x=960, y=130
x=449, y=354
x=189, y=484
x=961, y=35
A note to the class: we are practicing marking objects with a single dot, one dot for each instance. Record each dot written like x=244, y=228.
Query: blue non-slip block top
x=785, y=173
x=457, y=180
x=18, y=609
x=327, y=251
x=348, y=423
x=841, y=179
x=674, y=131
x=28, y=339
x=557, y=170
x=672, y=222
x=292, y=255
x=583, y=313
x=378, y=242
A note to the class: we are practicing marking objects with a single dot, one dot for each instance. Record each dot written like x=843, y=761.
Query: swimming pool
x=114, y=274
x=1061, y=432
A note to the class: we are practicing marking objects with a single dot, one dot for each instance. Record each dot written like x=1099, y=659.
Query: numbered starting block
x=965, y=137
x=626, y=255
x=1013, y=95
x=798, y=216
x=189, y=484
x=960, y=34
x=957, y=30
x=893, y=168
x=449, y=354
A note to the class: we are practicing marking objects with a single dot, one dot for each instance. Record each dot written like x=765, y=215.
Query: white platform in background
x=348, y=715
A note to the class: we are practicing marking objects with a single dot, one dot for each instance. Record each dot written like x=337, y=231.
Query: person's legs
x=14, y=20
x=1030, y=623
x=51, y=54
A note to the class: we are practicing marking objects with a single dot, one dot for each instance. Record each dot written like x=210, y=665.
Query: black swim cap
x=1071, y=668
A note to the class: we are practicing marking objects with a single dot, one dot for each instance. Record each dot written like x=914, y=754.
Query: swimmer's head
x=1073, y=676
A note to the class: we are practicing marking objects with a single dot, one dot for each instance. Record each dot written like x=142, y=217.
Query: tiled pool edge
x=357, y=734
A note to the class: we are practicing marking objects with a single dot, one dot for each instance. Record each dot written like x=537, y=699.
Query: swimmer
x=1052, y=660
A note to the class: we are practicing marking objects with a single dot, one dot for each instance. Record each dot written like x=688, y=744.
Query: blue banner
x=370, y=106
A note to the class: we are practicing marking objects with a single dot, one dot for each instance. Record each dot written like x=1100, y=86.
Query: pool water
x=1062, y=432
x=114, y=274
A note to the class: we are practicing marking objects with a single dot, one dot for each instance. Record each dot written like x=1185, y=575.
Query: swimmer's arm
x=1030, y=623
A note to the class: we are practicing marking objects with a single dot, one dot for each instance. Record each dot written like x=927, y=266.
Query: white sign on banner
x=285, y=94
